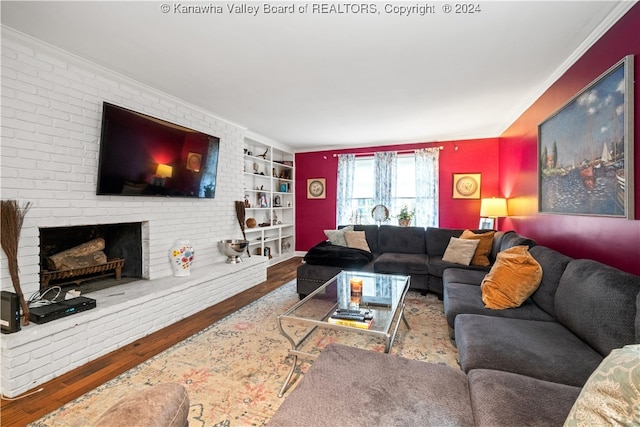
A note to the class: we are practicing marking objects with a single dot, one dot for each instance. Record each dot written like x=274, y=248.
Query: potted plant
x=405, y=216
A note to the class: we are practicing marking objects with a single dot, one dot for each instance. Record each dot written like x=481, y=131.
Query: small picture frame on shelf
x=486, y=223
x=262, y=200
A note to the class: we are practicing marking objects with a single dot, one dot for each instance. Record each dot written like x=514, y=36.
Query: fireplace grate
x=79, y=275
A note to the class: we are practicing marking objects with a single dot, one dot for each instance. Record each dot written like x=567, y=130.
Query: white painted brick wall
x=39, y=353
x=51, y=115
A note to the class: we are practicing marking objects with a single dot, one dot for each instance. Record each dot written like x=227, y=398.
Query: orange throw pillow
x=481, y=257
x=512, y=279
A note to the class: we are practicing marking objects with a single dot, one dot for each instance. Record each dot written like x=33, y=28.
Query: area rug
x=233, y=370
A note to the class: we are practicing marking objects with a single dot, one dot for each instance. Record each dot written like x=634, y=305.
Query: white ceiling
x=327, y=80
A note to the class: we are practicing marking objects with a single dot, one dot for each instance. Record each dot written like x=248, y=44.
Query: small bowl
x=233, y=249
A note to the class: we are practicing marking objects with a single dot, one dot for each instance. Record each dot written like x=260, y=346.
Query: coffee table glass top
x=381, y=294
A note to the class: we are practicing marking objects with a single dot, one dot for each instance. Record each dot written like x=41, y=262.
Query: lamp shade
x=493, y=208
x=164, y=171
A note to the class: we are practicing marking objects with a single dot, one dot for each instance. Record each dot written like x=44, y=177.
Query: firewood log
x=55, y=261
x=83, y=261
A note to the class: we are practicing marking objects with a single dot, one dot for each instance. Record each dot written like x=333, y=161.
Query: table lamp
x=490, y=209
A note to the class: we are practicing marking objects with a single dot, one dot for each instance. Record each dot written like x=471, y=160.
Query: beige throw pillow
x=357, y=239
x=336, y=237
x=460, y=251
x=512, y=279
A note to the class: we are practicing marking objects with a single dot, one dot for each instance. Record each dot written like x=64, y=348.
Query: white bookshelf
x=268, y=189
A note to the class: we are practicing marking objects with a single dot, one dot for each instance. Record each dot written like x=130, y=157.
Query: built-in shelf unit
x=269, y=200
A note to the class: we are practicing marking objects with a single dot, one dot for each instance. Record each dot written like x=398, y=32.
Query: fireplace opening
x=91, y=257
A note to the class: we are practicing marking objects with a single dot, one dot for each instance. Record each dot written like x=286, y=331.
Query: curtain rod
x=398, y=152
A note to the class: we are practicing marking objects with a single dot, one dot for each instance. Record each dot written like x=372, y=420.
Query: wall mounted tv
x=144, y=156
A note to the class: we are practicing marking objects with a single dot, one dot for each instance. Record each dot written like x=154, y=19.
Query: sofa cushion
x=437, y=239
x=371, y=233
x=356, y=239
x=460, y=298
x=485, y=243
x=437, y=266
x=512, y=279
x=392, y=263
x=598, y=303
x=497, y=242
x=610, y=396
x=354, y=387
x=512, y=239
x=507, y=399
x=553, y=264
x=401, y=240
x=336, y=237
x=544, y=350
x=463, y=275
x=327, y=254
x=460, y=251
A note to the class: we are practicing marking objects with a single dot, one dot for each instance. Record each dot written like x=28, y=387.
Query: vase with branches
x=12, y=216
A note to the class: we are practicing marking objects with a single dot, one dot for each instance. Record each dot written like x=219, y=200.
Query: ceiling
x=343, y=78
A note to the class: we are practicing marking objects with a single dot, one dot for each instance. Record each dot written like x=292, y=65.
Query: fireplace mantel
x=124, y=313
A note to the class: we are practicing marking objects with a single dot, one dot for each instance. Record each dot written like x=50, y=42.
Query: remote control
x=359, y=317
x=347, y=311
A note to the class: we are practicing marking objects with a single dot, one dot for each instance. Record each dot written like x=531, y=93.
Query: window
x=413, y=182
x=362, y=202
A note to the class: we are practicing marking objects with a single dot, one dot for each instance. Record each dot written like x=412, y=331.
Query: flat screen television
x=141, y=155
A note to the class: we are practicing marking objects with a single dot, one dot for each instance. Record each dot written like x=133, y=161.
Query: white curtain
x=346, y=172
x=385, y=177
x=427, y=161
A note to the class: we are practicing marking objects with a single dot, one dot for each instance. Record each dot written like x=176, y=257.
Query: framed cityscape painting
x=585, y=149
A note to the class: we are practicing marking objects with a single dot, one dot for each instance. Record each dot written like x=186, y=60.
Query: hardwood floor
x=74, y=384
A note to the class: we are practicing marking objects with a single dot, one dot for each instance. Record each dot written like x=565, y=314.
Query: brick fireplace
x=122, y=242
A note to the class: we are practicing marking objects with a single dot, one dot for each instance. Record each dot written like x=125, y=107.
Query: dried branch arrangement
x=12, y=216
x=241, y=214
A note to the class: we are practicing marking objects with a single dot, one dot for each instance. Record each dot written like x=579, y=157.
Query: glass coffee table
x=382, y=294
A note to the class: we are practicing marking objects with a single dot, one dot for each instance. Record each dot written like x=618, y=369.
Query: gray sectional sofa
x=413, y=251
x=519, y=366
x=581, y=312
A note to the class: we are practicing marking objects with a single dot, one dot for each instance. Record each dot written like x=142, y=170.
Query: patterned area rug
x=233, y=370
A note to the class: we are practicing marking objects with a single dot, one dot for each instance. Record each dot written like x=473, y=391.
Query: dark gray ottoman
x=353, y=387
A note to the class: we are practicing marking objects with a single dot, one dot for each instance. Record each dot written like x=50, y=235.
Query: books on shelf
x=354, y=321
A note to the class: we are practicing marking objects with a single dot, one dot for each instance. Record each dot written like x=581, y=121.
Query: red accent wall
x=612, y=241
x=472, y=156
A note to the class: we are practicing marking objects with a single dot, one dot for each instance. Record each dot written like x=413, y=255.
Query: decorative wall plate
x=466, y=185
x=316, y=188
